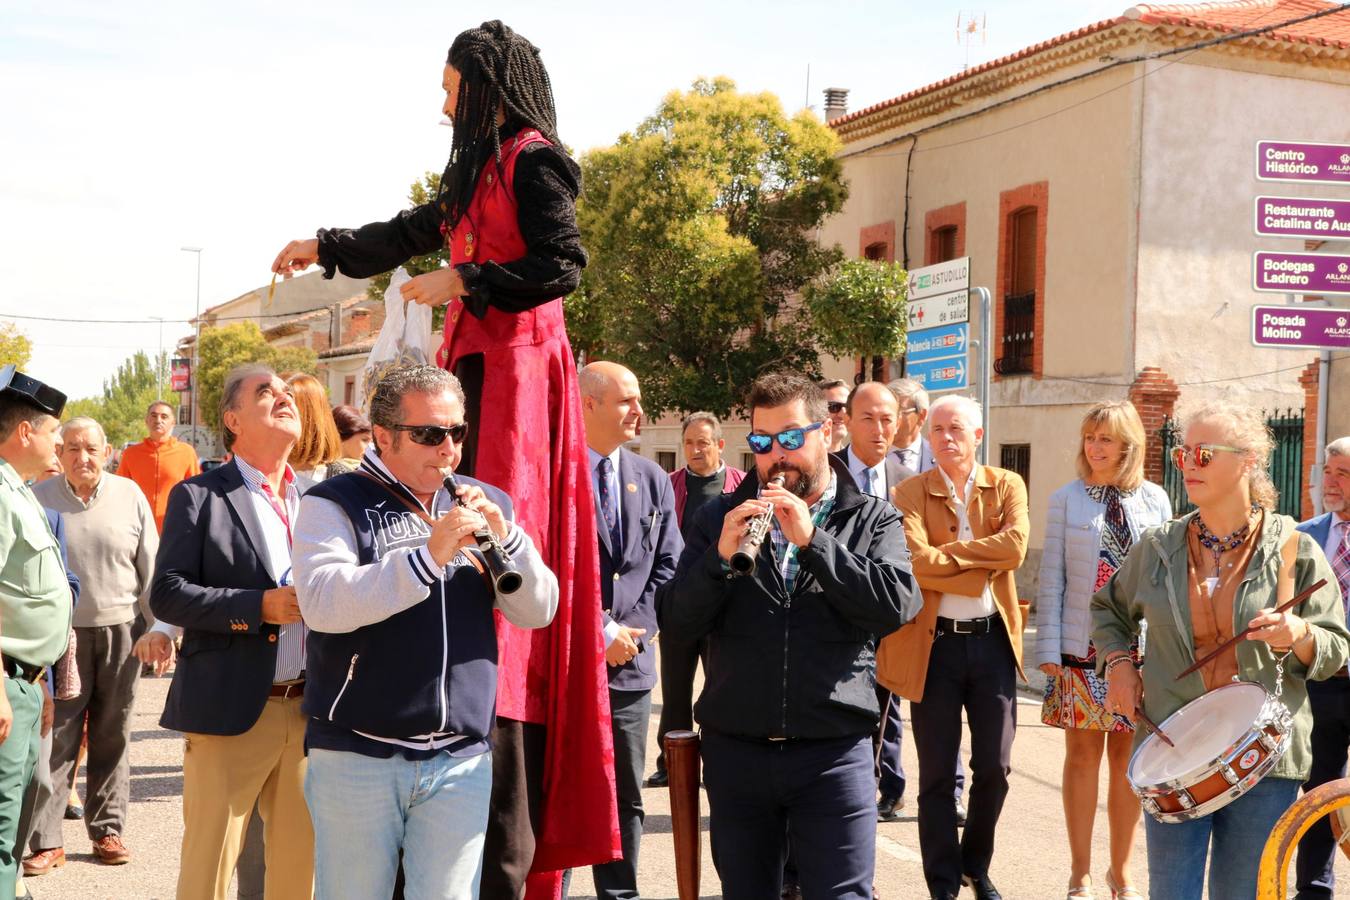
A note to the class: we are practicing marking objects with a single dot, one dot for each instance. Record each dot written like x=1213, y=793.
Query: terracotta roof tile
x=1242, y=15
x=1233, y=15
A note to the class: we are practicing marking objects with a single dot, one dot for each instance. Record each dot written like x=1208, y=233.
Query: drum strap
x=1284, y=584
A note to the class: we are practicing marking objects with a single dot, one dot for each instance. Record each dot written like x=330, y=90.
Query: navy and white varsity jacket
x=402, y=654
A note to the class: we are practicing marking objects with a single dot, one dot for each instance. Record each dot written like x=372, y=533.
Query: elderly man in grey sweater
x=112, y=537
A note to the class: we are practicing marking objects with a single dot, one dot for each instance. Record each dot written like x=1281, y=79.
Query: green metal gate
x=1286, y=463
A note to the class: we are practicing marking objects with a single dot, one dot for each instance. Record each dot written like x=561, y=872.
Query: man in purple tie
x=1330, y=699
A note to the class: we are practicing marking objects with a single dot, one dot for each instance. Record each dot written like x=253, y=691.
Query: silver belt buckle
x=962, y=626
x=777, y=739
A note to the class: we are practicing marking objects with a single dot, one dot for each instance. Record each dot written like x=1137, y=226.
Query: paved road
x=1031, y=862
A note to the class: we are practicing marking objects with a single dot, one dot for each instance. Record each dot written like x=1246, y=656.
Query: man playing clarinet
x=402, y=670
x=789, y=705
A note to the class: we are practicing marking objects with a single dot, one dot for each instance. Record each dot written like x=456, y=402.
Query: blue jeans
x=1176, y=853
x=366, y=809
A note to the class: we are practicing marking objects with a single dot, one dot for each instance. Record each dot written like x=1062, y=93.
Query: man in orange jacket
x=160, y=461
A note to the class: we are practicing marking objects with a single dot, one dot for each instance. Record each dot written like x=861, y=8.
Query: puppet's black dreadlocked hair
x=497, y=67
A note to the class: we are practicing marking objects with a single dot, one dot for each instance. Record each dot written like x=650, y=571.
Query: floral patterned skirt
x=1076, y=697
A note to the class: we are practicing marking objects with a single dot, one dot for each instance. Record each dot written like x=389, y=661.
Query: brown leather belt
x=287, y=690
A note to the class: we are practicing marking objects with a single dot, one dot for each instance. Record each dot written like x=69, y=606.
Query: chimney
x=359, y=325
x=836, y=103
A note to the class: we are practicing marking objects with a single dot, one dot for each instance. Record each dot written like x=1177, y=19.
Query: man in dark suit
x=639, y=546
x=909, y=445
x=873, y=416
x=1330, y=699
x=224, y=574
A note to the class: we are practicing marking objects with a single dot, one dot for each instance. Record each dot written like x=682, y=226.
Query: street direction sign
x=934, y=343
x=942, y=278
x=1301, y=273
x=949, y=373
x=1312, y=328
x=1302, y=217
x=1307, y=162
x=933, y=312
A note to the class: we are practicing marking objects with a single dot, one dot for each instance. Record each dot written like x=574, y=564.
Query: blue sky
x=131, y=129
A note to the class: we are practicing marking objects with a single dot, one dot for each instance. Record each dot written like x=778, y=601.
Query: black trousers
x=977, y=673
x=678, y=664
x=818, y=793
x=515, y=807
x=630, y=713
x=1330, y=703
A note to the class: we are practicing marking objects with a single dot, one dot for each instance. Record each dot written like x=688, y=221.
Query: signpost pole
x=986, y=354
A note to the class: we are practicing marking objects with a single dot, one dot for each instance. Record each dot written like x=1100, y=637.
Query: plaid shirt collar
x=785, y=552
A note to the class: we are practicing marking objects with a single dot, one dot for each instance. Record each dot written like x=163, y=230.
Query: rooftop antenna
x=969, y=27
x=808, y=86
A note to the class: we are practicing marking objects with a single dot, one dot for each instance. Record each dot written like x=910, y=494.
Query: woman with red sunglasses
x=1197, y=581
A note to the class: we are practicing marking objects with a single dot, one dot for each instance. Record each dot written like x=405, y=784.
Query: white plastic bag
x=405, y=339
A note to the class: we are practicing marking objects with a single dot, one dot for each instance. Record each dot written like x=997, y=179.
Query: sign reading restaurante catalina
x=1305, y=217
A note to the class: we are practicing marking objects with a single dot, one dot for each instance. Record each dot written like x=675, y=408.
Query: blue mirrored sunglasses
x=792, y=439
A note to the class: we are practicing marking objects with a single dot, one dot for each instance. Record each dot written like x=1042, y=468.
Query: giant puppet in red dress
x=515, y=251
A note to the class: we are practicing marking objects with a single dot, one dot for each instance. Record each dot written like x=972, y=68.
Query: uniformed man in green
x=34, y=594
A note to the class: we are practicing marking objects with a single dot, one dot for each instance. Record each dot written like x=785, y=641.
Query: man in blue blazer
x=639, y=546
x=223, y=574
x=1330, y=699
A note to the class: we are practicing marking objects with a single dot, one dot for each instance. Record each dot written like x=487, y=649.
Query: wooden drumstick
x=1153, y=729
x=1283, y=607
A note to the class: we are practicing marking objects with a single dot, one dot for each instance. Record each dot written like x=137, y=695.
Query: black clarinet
x=506, y=577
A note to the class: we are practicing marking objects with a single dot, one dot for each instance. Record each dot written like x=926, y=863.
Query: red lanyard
x=279, y=508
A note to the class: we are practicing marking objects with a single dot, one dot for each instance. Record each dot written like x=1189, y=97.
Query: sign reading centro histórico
x=1300, y=273
x=1305, y=217
x=1305, y=161
x=1313, y=328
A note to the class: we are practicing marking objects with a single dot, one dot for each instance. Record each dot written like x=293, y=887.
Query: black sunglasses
x=434, y=435
x=836, y=407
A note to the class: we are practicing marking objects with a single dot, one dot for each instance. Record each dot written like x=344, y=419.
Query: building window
x=184, y=412
x=944, y=244
x=1016, y=458
x=349, y=389
x=1019, y=303
x=666, y=459
x=748, y=462
x=876, y=252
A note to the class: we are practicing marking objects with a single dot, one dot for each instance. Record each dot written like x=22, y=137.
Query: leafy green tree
x=15, y=346
x=120, y=409
x=859, y=308
x=227, y=346
x=701, y=228
x=419, y=193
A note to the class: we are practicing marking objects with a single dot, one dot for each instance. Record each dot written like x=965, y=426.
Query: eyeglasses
x=792, y=439
x=835, y=407
x=1203, y=454
x=434, y=435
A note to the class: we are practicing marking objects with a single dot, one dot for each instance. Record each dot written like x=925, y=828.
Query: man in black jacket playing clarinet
x=789, y=705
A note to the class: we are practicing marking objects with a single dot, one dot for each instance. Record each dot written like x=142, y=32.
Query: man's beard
x=1333, y=504
x=804, y=485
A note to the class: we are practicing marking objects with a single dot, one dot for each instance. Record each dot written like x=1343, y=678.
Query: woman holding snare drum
x=1197, y=581
x=1090, y=526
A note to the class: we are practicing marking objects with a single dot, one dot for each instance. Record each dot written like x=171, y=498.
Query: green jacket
x=35, y=606
x=1152, y=586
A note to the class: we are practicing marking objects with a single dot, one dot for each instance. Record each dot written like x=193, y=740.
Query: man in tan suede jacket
x=966, y=527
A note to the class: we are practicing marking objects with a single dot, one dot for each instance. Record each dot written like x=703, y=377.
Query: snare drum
x=1226, y=741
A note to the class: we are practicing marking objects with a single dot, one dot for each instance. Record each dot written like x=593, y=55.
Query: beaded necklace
x=1216, y=545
